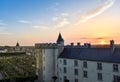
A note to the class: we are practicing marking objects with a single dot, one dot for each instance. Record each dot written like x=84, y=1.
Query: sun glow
x=103, y=42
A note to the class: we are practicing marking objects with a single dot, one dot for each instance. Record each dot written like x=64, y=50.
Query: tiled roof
x=92, y=54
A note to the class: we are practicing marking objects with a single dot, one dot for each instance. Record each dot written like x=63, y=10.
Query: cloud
x=97, y=38
x=100, y=38
x=84, y=38
x=3, y=31
x=1, y=23
x=65, y=14
x=55, y=18
x=61, y=16
x=42, y=27
x=24, y=21
x=54, y=6
x=61, y=23
x=61, y=20
x=96, y=11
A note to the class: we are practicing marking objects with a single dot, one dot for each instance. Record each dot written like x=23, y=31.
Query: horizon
x=73, y=43
x=40, y=21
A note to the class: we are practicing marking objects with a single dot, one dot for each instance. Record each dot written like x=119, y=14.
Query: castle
x=77, y=63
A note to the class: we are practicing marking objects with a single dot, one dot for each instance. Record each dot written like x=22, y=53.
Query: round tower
x=60, y=42
x=48, y=65
x=48, y=54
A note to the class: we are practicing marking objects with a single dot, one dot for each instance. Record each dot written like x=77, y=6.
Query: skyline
x=38, y=21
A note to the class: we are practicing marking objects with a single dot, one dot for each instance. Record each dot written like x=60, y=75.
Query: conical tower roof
x=60, y=39
x=17, y=44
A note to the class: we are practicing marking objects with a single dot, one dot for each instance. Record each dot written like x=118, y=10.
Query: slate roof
x=60, y=39
x=92, y=54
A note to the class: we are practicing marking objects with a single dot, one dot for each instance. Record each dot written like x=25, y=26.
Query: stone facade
x=55, y=59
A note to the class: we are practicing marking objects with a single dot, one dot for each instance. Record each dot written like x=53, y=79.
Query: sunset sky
x=40, y=21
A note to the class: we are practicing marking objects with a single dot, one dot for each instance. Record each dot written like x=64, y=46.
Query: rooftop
x=91, y=54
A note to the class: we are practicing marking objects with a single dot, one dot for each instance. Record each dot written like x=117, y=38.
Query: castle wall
x=39, y=64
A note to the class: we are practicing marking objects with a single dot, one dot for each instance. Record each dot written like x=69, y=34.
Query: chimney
x=112, y=45
x=72, y=44
x=78, y=44
x=87, y=45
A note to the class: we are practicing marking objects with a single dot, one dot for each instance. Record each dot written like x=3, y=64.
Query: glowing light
x=103, y=42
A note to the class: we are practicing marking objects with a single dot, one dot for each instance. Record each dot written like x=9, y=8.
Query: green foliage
x=13, y=54
x=17, y=66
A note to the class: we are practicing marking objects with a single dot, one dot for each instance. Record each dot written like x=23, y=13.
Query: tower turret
x=60, y=43
x=17, y=45
x=60, y=39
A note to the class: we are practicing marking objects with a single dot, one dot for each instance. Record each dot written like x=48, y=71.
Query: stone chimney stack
x=112, y=46
x=78, y=44
x=87, y=45
x=72, y=44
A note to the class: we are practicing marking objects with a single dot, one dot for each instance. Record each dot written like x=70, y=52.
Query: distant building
x=17, y=48
x=77, y=63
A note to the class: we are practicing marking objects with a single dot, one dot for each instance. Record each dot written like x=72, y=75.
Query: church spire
x=60, y=39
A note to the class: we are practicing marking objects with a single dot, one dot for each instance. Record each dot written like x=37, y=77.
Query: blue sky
x=31, y=21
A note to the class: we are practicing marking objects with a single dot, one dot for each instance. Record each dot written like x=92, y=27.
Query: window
x=115, y=67
x=75, y=63
x=99, y=76
x=76, y=71
x=64, y=62
x=99, y=66
x=65, y=79
x=115, y=78
x=85, y=74
x=85, y=64
x=64, y=70
x=76, y=80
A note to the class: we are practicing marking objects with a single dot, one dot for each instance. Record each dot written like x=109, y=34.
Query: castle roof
x=60, y=39
x=92, y=54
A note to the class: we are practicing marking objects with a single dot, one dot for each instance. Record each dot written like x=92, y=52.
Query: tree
x=54, y=78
